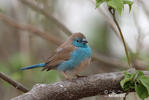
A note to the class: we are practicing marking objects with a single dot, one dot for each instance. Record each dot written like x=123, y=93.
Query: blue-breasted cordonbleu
x=72, y=56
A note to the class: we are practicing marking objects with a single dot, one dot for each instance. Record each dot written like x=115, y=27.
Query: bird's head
x=79, y=40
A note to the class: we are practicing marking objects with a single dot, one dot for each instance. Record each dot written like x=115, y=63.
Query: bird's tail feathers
x=34, y=66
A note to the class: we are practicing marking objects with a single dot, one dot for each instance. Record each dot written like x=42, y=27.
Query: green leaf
x=141, y=91
x=142, y=88
x=137, y=81
x=139, y=75
x=129, y=2
x=116, y=4
x=145, y=81
x=127, y=82
x=98, y=2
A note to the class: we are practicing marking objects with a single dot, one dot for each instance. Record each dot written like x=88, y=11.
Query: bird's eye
x=77, y=40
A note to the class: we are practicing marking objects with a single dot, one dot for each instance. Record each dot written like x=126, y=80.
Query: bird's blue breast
x=77, y=56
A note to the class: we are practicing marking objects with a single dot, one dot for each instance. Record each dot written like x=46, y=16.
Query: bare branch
x=47, y=15
x=110, y=60
x=99, y=84
x=15, y=84
x=29, y=28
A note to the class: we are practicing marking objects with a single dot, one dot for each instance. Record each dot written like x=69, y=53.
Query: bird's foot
x=80, y=76
x=67, y=77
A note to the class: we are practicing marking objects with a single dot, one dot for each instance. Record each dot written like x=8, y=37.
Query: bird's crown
x=76, y=39
x=77, y=35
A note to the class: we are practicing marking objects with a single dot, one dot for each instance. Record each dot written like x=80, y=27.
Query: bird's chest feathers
x=77, y=57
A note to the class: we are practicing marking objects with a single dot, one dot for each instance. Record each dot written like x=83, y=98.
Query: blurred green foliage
x=118, y=5
x=99, y=39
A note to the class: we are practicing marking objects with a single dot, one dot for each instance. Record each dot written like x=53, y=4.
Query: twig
x=125, y=95
x=15, y=84
x=112, y=11
x=29, y=28
x=77, y=88
x=115, y=62
x=47, y=15
x=110, y=22
x=110, y=60
x=113, y=28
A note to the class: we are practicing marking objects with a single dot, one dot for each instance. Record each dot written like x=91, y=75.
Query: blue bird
x=72, y=56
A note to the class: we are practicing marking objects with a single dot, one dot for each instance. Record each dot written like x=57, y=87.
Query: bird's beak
x=84, y=40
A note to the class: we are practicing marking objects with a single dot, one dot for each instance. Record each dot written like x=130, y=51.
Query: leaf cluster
x=117, y=5
x=137, y=81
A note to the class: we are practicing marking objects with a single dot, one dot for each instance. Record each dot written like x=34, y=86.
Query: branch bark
x=13, y=83
x=75, y=89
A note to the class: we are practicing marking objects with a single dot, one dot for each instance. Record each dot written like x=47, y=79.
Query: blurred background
x=23, y=41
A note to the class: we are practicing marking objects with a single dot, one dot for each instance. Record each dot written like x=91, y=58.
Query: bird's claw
x=80, y=76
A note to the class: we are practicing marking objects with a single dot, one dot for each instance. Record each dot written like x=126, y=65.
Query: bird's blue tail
x=34, y=66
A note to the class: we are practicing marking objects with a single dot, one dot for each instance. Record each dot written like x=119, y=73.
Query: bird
x=72, y=56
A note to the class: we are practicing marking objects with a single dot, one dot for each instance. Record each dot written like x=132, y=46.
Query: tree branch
x=13, y=83
x=75, y=89
x=29, y=28
x=110, y=60
x=47, y=15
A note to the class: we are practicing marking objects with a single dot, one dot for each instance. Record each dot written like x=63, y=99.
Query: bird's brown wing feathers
x=62, y=54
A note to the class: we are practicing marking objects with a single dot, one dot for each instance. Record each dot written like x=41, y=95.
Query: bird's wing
x=61, y=54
